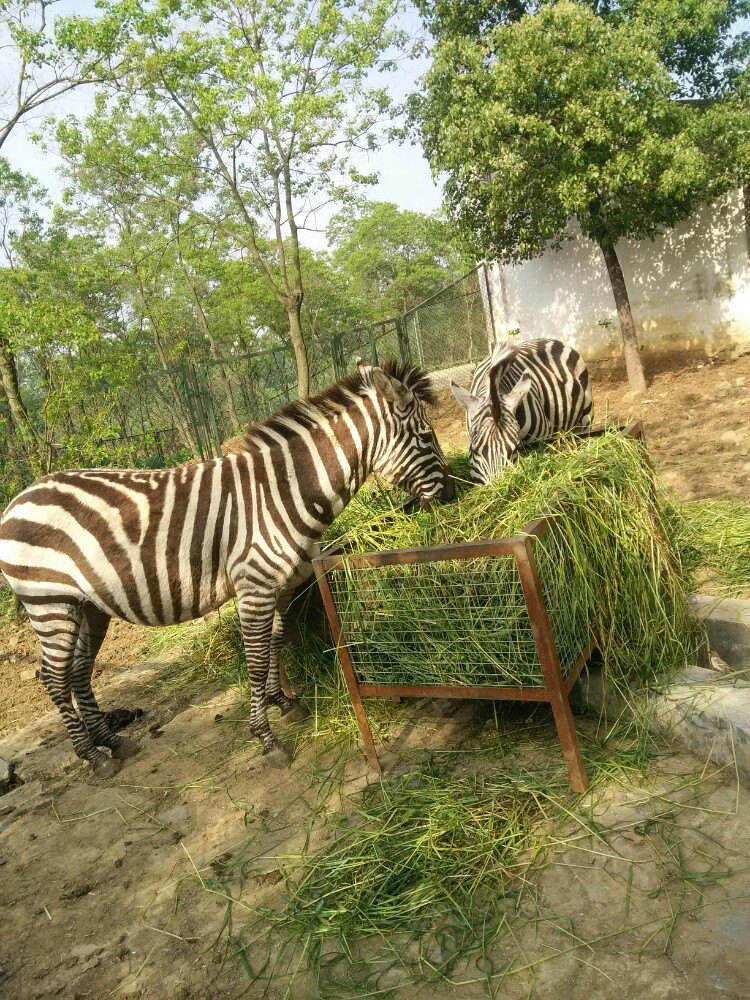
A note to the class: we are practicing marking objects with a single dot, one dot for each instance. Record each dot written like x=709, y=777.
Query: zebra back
x=560, y=394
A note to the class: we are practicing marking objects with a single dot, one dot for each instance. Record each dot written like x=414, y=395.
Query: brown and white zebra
x=170, y=545
x=522, y=392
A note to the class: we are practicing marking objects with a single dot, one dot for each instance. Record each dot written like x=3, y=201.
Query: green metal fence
x=453, y=326
x=191, y=409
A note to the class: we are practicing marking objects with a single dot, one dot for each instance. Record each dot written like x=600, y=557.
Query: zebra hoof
x=277, y=756
x=107, y=768
x=295, y=712
x=125, y=749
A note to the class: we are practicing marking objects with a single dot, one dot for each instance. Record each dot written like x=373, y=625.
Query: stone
x=29, y=674
x=729, y=436
x=9, y=779
x=83, y=952
x=633, y=396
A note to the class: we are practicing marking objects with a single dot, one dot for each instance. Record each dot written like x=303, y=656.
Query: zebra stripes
x=529, y=390
x=168, y=546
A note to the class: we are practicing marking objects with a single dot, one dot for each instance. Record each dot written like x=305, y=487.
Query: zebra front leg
x=291, y=709
x=58, y=626
x=256, y=622
x=94, y=625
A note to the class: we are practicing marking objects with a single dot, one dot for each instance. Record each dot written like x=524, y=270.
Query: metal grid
x=461, y=622
x=452, y=327
x=477, y=575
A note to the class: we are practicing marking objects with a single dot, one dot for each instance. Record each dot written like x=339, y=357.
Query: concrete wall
x=689, y=289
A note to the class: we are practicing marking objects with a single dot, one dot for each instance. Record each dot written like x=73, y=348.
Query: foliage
x=270, y=109
x=562, y=115
x=697, y=41
x=394, y=258
x=46, y=57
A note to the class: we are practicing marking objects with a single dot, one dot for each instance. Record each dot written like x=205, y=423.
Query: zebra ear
x=390, y=388
x=518, y=393
x=464, y=397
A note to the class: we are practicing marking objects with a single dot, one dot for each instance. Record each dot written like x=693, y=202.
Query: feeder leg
x=566, y=730
x=548, y=659
x=348, y=668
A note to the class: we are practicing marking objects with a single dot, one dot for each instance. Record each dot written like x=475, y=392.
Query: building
x=689, y=289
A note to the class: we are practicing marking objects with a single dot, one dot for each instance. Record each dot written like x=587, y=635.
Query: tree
x=566, y=114
x=278, y=97
x=394, y=258
x=46, y=57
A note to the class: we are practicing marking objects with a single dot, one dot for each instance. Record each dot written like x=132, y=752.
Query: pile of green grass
x=441, y=855
x=608, y=569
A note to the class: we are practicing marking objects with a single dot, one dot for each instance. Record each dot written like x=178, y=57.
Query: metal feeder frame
x=557, y=686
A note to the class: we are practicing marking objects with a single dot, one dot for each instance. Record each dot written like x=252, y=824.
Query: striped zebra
x=529, y=390
x=170, y=545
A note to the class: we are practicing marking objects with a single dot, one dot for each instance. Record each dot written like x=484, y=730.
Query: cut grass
x=430, y=866
x=7, y=603
x=607, y=568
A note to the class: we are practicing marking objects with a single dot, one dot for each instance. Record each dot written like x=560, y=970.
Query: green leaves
x=394, y=258
x=569, y=114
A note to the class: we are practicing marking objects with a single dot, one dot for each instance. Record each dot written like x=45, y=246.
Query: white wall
x=689, y=289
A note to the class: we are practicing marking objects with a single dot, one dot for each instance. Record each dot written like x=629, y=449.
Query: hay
x=440, y=858
x=607, y=567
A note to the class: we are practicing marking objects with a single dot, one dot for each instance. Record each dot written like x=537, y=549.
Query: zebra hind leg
x=94, y=624
x=57, y=624
x=256, y=621
x=291, y=709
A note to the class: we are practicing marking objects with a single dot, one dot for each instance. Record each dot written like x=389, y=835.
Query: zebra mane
x=316, y=409
x=502, y=355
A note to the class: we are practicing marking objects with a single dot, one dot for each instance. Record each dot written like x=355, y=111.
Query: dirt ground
x=22, y=696
x=120, y=889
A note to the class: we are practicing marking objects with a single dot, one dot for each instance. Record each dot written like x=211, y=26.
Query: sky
x=404, y=173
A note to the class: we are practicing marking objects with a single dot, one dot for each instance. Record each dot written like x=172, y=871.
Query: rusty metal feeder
x=530, y=612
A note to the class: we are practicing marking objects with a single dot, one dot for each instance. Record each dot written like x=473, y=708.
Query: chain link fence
x=166, y=417
x=454, y=326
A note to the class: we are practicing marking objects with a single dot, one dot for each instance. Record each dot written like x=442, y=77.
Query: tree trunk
x=9, y=378
x=633, y=363
x=293, y=312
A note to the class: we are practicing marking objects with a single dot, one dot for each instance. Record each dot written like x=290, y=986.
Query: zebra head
x=408, y=454
x=493, y=429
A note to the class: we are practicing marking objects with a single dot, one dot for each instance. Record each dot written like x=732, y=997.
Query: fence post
x=190, y=401
x=208, y=407
x=490, y=307
x=373, y=346
x=403, y=340
x=337, y=356
x=418, y=337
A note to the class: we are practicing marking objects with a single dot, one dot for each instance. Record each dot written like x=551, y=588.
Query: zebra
x=166, y=546
x=527, y=390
